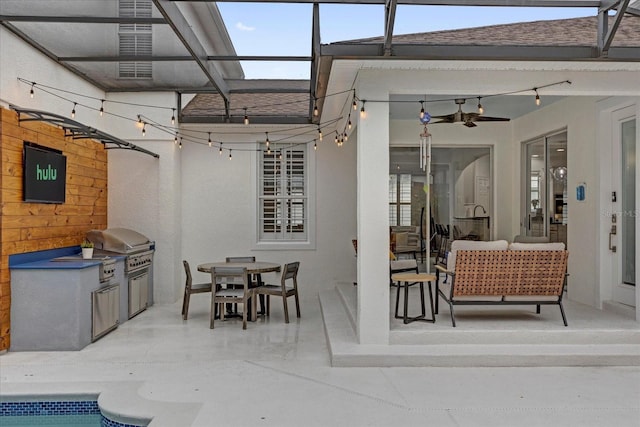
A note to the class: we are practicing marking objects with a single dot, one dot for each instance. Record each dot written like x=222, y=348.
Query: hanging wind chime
x=425, y=165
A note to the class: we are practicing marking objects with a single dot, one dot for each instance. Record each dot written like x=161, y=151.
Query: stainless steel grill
x=137, y=266
x=120, y=240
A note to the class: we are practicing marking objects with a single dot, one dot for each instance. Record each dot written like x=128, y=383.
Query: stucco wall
x=578, y=116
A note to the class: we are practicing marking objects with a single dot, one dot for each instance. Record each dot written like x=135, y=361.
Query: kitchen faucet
x=479, y=206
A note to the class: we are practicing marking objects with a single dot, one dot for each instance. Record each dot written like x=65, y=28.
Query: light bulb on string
x=139, y=123
x=73, y=111
x=319, y=133
x=173, y=116
x=209, y=139
x=345, y=137
x=268, y=150
x=315, y=146
x=180, y=145
x=480, y=108
x=363, y=113
x=175, y=138
x=267, y=141
x=537, y=97
x=220, y=150
x=315, y=108
x=101, y=107
x=31, y=92
x=421, y=109
x=246, y=117
x=280, y=155
x=349, y=124
x=336, y=138
x=144, y=129
x=354, y=104
x=229, y=154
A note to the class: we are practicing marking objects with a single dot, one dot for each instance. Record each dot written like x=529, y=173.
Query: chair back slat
x=230, y=274
x=232, y=259
x=187, y=270
x=290, y=271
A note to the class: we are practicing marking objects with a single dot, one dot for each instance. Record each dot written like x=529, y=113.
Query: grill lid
x=120, y=240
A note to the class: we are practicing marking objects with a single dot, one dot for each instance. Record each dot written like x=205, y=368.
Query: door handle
x=613, y=231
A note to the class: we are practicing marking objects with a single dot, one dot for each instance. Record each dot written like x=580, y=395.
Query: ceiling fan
x=468, y=119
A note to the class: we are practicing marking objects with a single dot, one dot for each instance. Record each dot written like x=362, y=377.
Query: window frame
x=309, y=243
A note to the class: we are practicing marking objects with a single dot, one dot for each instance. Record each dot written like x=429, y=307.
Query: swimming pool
x=55, y=413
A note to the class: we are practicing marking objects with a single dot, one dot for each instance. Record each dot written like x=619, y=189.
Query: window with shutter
x=283, y=195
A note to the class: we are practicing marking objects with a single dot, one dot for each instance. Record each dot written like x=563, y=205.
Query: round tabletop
x=413, y=277
x=252, y=267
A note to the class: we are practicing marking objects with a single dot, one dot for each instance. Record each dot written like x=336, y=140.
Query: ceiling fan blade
x=491, y=119
x=449, y=118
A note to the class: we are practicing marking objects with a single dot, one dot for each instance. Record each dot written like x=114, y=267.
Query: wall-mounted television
x=45, y=174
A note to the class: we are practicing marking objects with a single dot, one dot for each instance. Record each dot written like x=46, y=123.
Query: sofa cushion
x=402, y=239
x=558, y=246
x=473, y=245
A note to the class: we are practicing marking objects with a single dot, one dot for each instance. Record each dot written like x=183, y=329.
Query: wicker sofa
x=485, y=273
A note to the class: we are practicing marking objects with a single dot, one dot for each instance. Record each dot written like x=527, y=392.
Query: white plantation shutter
x=135, y=39
x=283, y=195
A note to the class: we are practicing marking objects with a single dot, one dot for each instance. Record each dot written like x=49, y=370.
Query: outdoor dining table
x=253, y=268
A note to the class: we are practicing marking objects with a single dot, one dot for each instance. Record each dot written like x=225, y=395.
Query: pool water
x=82, y=420
x=62, y=413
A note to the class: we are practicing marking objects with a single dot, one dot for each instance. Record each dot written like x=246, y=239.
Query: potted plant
x=87, y=249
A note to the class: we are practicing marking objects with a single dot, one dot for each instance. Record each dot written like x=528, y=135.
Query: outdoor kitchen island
x=60, y=301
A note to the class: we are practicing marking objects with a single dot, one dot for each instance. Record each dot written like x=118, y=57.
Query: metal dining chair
x=231, y=295
x=288, y=287
x=191, y=288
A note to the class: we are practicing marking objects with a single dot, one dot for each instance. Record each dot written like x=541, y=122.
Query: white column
x=373, y=216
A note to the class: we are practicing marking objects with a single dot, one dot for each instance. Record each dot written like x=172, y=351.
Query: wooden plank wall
x=28, y=227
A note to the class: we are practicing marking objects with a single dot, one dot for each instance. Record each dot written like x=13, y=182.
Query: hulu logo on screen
x=46, y=174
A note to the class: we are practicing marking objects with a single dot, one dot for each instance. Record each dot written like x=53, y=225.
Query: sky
x=285, y=29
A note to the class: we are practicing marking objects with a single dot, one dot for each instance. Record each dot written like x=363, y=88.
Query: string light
x=220, y=150
x=280, y=155
x=267, y=141
x=229, y=154
x=73, y=112
x=421, y=109
x=144, y=129
x=173, y=116
x=315, y=146
x=180, y=145
x=31, y=92
x=354, y=104
x=175, y=139
x=336, y=138
x=315, y=107
x=340, y=137
x=268, y=150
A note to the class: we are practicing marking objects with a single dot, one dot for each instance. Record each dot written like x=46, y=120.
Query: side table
x=408, y=279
